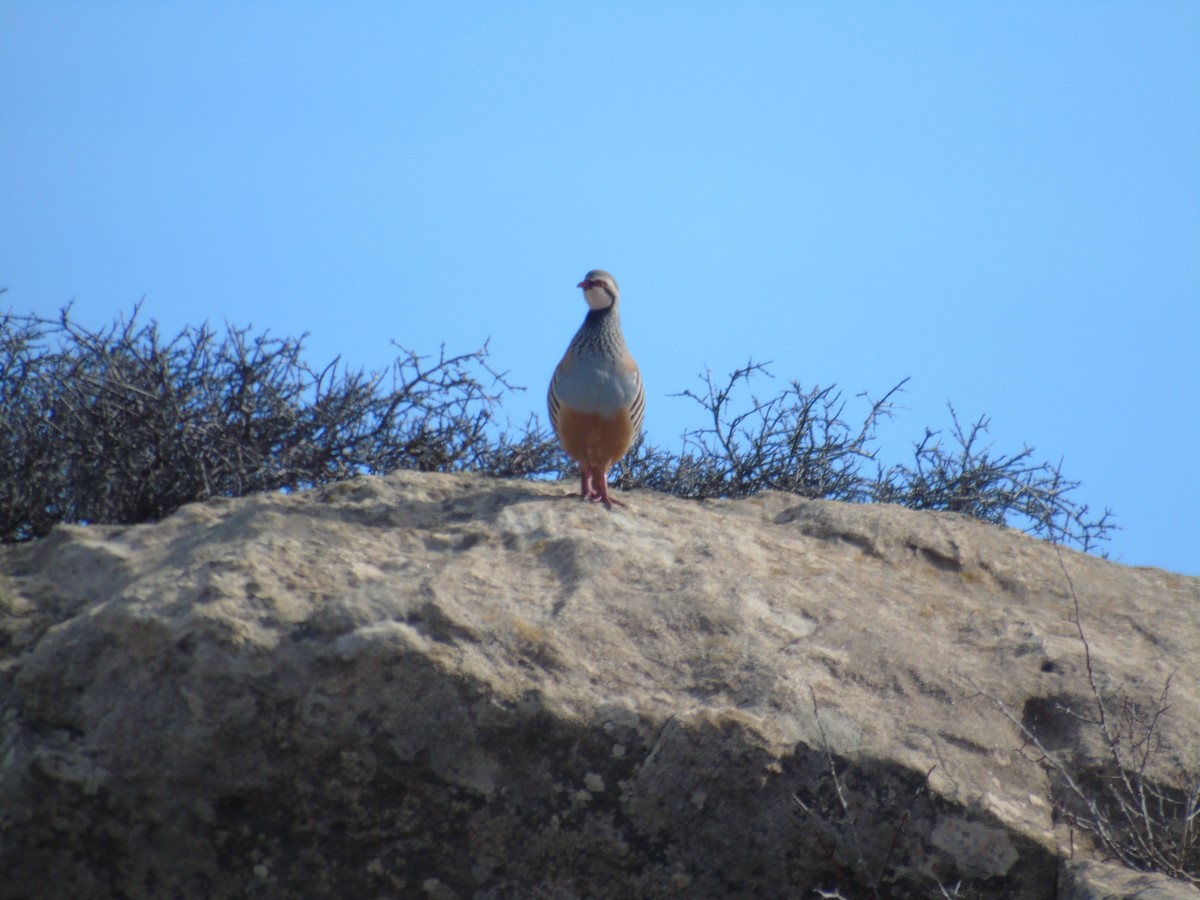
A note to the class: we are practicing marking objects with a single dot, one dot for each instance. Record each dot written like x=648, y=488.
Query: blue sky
x=1000, y=200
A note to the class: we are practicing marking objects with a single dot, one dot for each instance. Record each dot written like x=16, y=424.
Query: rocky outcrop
x=452, y=687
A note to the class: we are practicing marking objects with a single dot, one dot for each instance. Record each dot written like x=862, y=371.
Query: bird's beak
x=582, y=284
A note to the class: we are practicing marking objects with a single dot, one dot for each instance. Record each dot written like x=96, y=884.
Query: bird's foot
x=587, y=491
x=595, y=488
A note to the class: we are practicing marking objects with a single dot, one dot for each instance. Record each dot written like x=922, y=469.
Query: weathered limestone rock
x=1093, y=880
x=453, y=687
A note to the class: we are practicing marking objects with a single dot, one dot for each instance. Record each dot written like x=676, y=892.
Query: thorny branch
x=1144, y=823
x=122, y=425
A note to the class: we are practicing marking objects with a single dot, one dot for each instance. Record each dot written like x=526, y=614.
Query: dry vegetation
x=1122, y=803
x=120, y=425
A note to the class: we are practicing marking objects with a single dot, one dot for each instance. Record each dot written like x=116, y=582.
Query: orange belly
x=592, y=440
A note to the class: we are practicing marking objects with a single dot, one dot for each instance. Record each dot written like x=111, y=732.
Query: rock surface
x=450, y=687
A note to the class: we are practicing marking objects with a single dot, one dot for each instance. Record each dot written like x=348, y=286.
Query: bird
x=597, y=401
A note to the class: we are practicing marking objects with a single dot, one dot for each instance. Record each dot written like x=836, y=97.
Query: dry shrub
x=120, y=425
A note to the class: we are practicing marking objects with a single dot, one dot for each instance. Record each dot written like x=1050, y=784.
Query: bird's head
x=599, y=289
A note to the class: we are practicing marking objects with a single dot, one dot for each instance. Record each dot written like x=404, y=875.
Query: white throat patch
x=599, y=297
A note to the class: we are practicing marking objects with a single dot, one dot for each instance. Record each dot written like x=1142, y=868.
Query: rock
x=1092, y=880
x=447, y=686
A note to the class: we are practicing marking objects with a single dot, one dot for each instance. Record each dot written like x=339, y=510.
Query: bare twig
x=122, y=425
x=1143, y=823
x=873, y=874
x=851, y=825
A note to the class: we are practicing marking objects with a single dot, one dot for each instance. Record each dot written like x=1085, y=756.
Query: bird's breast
x=596, y=384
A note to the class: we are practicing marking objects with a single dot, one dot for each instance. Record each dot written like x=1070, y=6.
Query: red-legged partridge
x=596, y=398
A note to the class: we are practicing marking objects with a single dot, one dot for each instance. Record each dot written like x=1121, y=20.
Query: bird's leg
x=586, y=491
x=601, y=494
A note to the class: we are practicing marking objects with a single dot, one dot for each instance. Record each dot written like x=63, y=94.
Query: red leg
x=602, y=494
